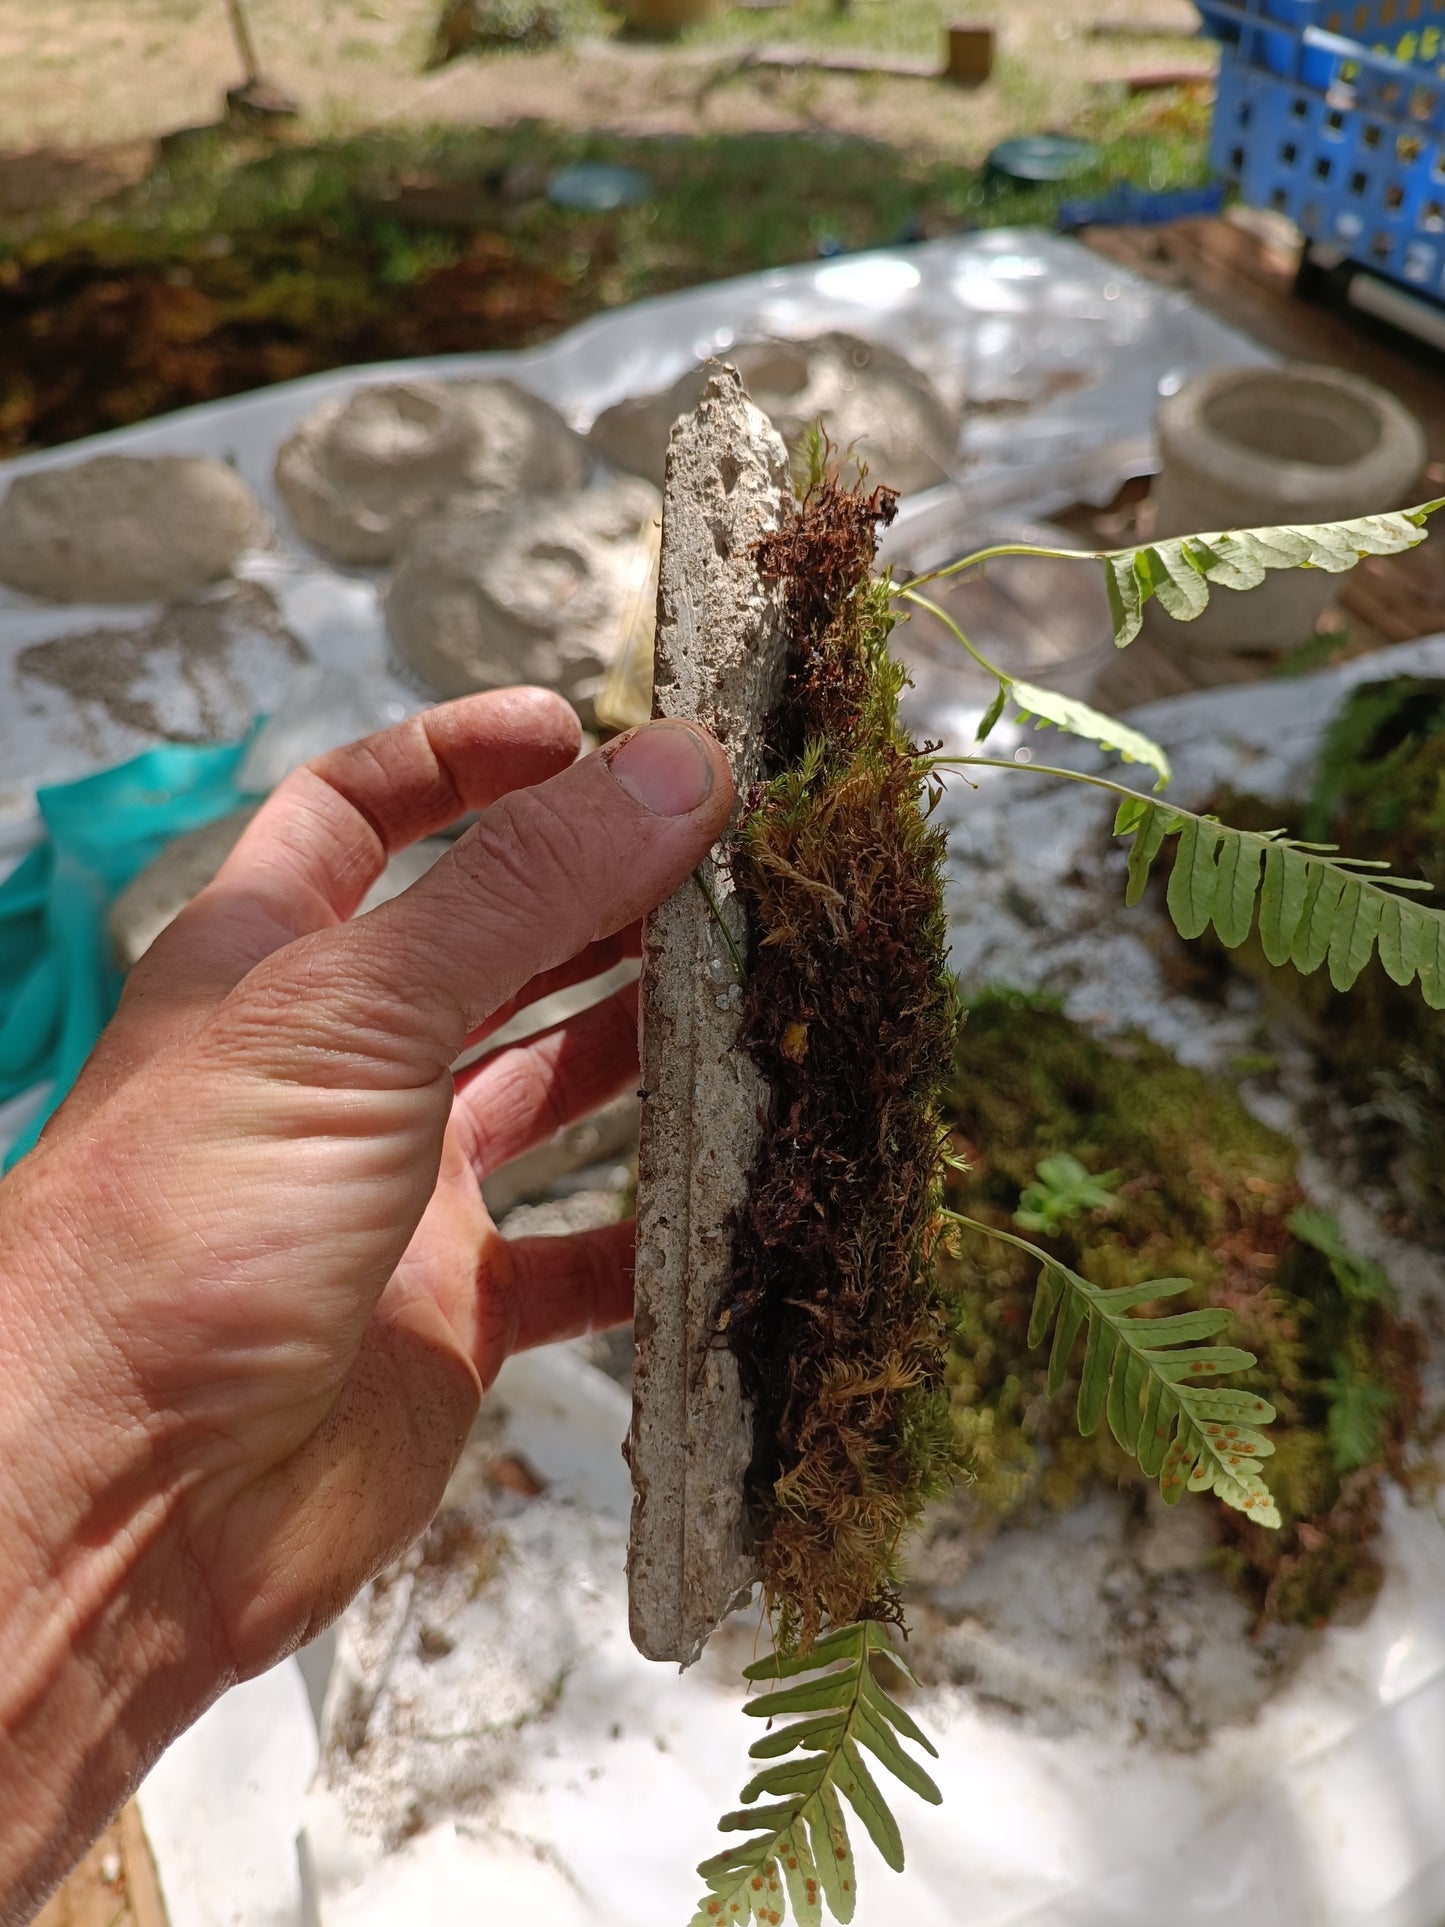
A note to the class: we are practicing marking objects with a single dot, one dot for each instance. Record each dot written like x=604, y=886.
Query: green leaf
x=1313, y=904
x=879, y=1738
x=1046, y=1299
x=1281, y=901
x=1323, y=893
x=781, y=1779
x=1194, y=878
x=810, y=1696
x=1065, y=1333
x=796, y=1859
x=883, y=1704
x=1184, y=1327
x=857, y=1785
x=1143, y=1374
x=1236, y=884
x=845, y=1643
x=1148, y=841
x=802, y=1734
x=833, y=1854
x=1099, y=1348
x=749, y=1819
x=991, y=714
x=1181, y=571
x=1125, y=1409
x=1078, y=719
x=1126, y=1297
x=797, y=1852
x=1126, y=598
x=1188, y=1365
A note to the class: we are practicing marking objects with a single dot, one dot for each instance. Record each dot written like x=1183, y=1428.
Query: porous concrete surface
x=719, y=661
x=538, y=592
x=126, y=528
x=359, y=473
x=874, y=404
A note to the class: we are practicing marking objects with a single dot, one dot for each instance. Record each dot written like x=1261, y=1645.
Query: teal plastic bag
x=58, y=982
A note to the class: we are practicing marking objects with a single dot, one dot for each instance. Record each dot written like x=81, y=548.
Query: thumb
x=543, y=873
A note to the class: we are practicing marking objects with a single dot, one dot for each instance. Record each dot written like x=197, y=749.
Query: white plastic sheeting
x=1058, y=356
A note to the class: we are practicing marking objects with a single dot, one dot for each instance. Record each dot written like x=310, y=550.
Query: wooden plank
x=115, y=1885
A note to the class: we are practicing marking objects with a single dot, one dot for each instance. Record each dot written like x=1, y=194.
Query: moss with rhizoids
x=1211, y=1194
x=835, y=1312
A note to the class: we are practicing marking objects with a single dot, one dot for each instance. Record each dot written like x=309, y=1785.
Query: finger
x=594, y=961
x=521, y=1096
x=320, y=841
x=554, y=1289
x=316, y=846
x=390, y=998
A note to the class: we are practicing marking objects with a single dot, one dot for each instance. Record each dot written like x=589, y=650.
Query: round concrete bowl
x=1253, y=447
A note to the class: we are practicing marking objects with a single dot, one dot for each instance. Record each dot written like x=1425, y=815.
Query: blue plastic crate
x=1334, y=114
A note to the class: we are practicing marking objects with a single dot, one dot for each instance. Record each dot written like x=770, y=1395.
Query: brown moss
x=835, y=1313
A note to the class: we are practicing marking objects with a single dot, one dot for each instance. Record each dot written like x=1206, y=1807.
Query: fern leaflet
x=798, y=1852
x=1142, y=1375
x=1312, y=905
x=1181, y=572
x=1047, y=706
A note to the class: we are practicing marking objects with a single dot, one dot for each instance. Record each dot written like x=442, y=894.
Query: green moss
x=1381, y=789
x=1209, y=1194
x=836, y=1313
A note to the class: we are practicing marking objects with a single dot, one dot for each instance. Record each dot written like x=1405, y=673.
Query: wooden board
x=114, y=1886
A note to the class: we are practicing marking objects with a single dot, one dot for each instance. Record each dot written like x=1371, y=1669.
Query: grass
x=232, y=266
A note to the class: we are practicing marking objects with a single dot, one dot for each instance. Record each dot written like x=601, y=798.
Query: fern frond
x=1076, y=718
x=1181, y=573
x=1141, y=1374
x=798, y=1854
x=1311, y=905
x=1047, y=706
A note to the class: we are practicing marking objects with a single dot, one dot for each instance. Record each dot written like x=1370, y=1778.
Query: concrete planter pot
x=1248, y=447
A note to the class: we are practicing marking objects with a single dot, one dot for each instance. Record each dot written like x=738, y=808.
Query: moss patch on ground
x=1380, y=793
x=1208, y=1193
x=836, y=1313
x=235, y=264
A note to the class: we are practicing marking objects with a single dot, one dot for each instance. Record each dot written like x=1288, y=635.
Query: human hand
x=249, y=1293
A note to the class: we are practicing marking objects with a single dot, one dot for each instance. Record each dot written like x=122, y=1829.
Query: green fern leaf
x=991, y=715
x=1076, y=718
x=1181, y=572
x=1311, y=904
x=1142, y=1374
x=798, y=1854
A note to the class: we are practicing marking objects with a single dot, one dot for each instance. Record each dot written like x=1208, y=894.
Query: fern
x=1047, y=706
x=1077, y=718
x=1311, y=905
x=798, y=1852
x=1182, y=572
x=1141, y=1374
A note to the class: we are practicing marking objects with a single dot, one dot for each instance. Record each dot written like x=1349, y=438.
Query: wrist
x=105, y=1646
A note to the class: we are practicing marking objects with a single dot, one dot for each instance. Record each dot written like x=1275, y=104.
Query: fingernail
x=665, y=767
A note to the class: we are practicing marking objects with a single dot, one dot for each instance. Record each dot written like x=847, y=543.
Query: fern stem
x=923, y=602
x=721, y=922
x=1048, y=769
x=980, y=556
